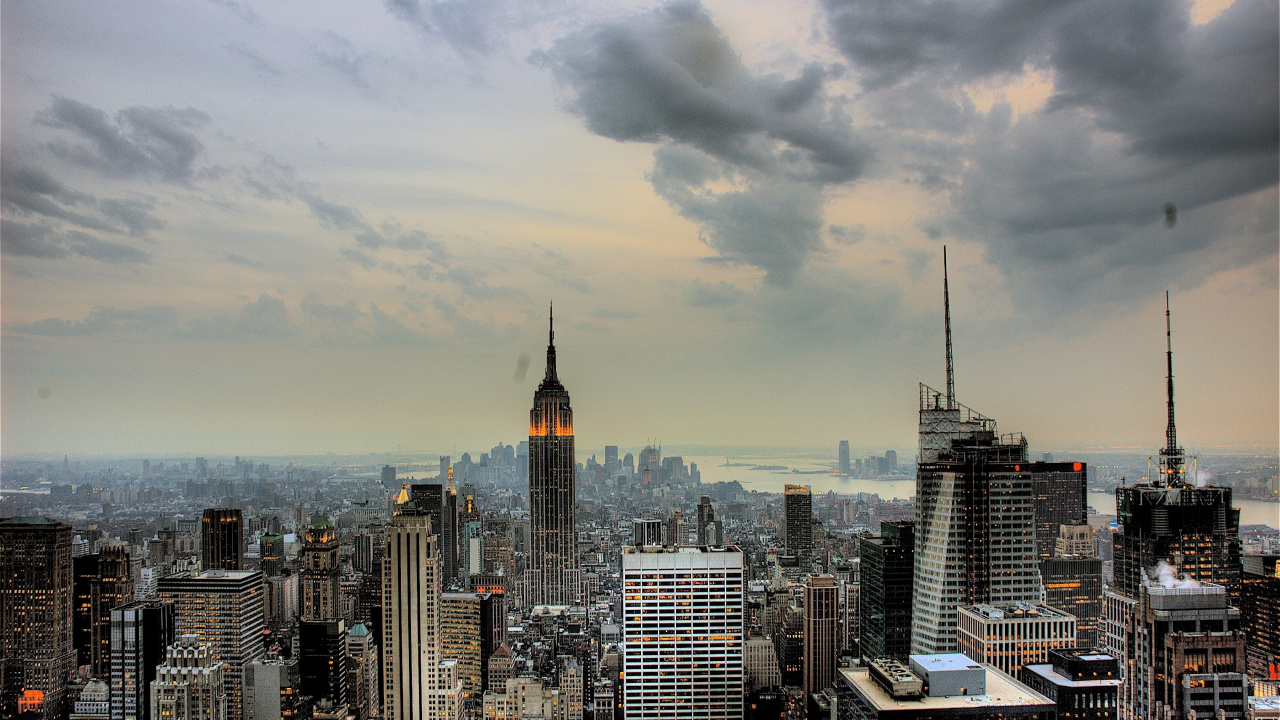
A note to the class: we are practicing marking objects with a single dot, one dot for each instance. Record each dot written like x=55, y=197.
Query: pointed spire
x=1172, y=464
x=551, y=347
x=946, y=305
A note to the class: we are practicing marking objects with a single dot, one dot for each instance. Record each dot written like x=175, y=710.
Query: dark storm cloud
x=106, y=320
x=671, y=77
x=139, y=142
x=1147, y=108
x=466, y=25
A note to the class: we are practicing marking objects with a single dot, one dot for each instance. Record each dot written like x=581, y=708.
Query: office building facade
x=37, y=654
x=1187, y=653
x=1012, y=636
x=320, y=576
x=416, y=683
x=222, y=539
x=798, y=519
x=190, y=684
x=821, y=632
x=888, y=566
x=224, y=610
x=140, y=634
x=102, y=581
x=682, y=634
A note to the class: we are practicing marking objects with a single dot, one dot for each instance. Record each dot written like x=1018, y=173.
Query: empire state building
x=552, y=573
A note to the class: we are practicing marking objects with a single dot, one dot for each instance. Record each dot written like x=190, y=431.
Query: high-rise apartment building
x=798, y=511
x=190, y=684
x=140, y=633
x=682, y=634
x=224, y=610
x=37, y=654
x=888, y=566
x=1187, y=653
x=221, y=539
x=102, y=581
x=843, y=468
x=821, y=633
x=321, y=575
x=552, y=573
x=416, y=683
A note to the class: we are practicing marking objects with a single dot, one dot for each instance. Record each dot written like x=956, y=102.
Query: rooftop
x=1002, y=692
x=1045, y=671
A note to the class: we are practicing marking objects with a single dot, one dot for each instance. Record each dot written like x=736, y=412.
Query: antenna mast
x=951, y=378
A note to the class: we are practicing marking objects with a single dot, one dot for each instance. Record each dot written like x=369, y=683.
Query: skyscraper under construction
x=975, y=537
x=552, y=575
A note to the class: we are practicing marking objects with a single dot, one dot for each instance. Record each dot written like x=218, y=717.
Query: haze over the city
x=306, y=227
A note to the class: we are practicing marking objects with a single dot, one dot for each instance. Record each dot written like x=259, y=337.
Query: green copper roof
x=321, y=521
x=358, y=630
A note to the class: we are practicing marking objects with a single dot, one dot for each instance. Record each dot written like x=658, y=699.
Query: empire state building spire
x=550, y=377
x=552, y=571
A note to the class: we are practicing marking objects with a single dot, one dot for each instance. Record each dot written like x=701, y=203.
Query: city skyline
x=296, y=229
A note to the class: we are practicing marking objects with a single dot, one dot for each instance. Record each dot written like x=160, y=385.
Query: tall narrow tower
x=552, y=574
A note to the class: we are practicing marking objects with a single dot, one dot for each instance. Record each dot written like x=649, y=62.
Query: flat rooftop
x=1046, y=671
x=1002, y=692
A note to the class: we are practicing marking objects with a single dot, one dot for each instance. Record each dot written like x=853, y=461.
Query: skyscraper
x=682, y=633
x=1193, y=529
x=709, y=529
x=102, y=582
x=440, y=502
x=821, y=641
x=190, y=684
x=221, y=536
x=322, y=660
x=321, y=574
x=36, y=649
x=1187, y=652
x=417, y=685
x=140, y=632
x=975, y=513
x=888, y=565
x=553, y=575
x=224, y=609
x=798, y=510
x=843, y=469
x=1060, y=500
x=389, y=478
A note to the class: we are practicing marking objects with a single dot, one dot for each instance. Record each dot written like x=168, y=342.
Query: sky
x=305, y=227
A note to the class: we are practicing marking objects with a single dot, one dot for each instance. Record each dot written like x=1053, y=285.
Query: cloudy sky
x=288, y=227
